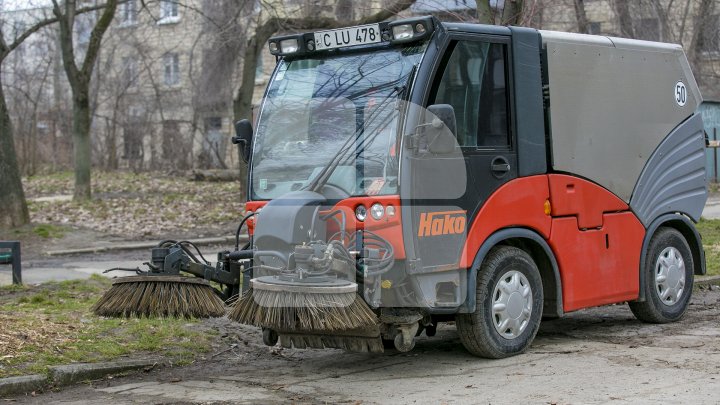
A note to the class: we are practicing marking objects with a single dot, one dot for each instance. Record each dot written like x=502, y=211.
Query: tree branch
x=96, y=36
x=4, y=47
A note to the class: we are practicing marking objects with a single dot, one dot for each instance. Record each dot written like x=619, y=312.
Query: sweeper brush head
x=331, y=305
x=160, y=296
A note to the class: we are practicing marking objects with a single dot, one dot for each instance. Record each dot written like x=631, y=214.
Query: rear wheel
x=668, y=284
x=509, y=305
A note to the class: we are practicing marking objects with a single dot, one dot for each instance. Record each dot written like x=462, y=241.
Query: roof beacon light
x=402, y=32
x=289, y=45
x=411, y=29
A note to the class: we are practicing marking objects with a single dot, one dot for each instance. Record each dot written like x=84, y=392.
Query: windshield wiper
x=342, y=154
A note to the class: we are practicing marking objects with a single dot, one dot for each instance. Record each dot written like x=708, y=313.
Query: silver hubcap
x=670, y=276
x=512, y=304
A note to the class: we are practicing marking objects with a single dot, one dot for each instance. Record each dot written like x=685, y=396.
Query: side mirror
x=440, y=128
x=243, y=138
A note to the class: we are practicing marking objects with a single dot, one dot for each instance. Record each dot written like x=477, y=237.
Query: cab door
x=447, y=189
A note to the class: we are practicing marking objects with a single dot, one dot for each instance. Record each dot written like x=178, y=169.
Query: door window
x=473, y=81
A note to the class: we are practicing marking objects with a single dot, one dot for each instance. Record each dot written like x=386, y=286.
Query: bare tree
x=622, y=11
x=79, y=78
x=485, y=13
x=513, y=12
x=14, y=210
x=701, y=23
x=507, y=12
x=581, y=17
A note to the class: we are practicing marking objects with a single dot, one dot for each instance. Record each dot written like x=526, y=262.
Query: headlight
x=377, y=211
x=360, y=213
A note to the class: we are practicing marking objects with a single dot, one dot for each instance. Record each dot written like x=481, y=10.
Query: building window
x=128, y=13
x=171, y=62
x=594, y=28
x=169, y=12
x=130, y=70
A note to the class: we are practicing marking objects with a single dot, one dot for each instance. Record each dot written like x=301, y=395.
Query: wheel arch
x=686, y=227
x=536, y=246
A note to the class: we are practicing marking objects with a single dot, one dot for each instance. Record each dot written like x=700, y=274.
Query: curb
x=140, y=245
x=707, y=280
x=21, y=384
x=71, y=373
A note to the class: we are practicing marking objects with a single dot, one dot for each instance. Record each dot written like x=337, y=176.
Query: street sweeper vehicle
x=414, y=172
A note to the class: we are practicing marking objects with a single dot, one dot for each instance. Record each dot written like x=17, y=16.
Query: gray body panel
x=612, y=103
x=675, y=178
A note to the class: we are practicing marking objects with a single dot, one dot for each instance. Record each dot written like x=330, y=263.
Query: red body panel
x=253, y=206
x=519, y=202
x=598, y=266
x=389, y=227
x=596, y=240
x=573, y=196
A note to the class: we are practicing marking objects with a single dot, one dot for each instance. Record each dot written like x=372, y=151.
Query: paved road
x=602, y=355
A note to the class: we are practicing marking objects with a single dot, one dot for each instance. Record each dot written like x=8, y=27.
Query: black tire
x=653, y=309
x=477, y=331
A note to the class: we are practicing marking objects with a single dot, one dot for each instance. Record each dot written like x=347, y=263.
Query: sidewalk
x=712, y=207
x=74, y=264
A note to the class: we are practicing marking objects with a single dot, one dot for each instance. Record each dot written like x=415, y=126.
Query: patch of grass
x=52, y=324
x=48, y=231
x=136, y=205
x=710, y=231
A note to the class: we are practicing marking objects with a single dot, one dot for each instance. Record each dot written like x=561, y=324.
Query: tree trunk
x=703, y=14
x=485, y=14
x=622, y=12
x=81, y=143
x=513, y=12
x=581, y=16
x=13, y=208
x=665, y=31
x=79, y=78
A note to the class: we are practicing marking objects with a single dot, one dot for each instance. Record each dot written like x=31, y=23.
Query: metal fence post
x=715, y=155
x=715, y=160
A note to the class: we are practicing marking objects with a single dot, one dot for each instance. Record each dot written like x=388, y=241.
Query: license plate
x=360, y=35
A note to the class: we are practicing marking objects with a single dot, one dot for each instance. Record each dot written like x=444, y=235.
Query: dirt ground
x=602, y=355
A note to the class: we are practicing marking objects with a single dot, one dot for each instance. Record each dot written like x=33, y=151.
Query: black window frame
x=446, y=48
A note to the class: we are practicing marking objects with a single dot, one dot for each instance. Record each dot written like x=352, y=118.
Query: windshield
x=317, y=107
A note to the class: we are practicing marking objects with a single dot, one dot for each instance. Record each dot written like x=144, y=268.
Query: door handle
x=499, y=166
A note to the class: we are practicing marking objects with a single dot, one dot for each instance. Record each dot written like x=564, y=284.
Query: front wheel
x=669, y=270
x=509, y=305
